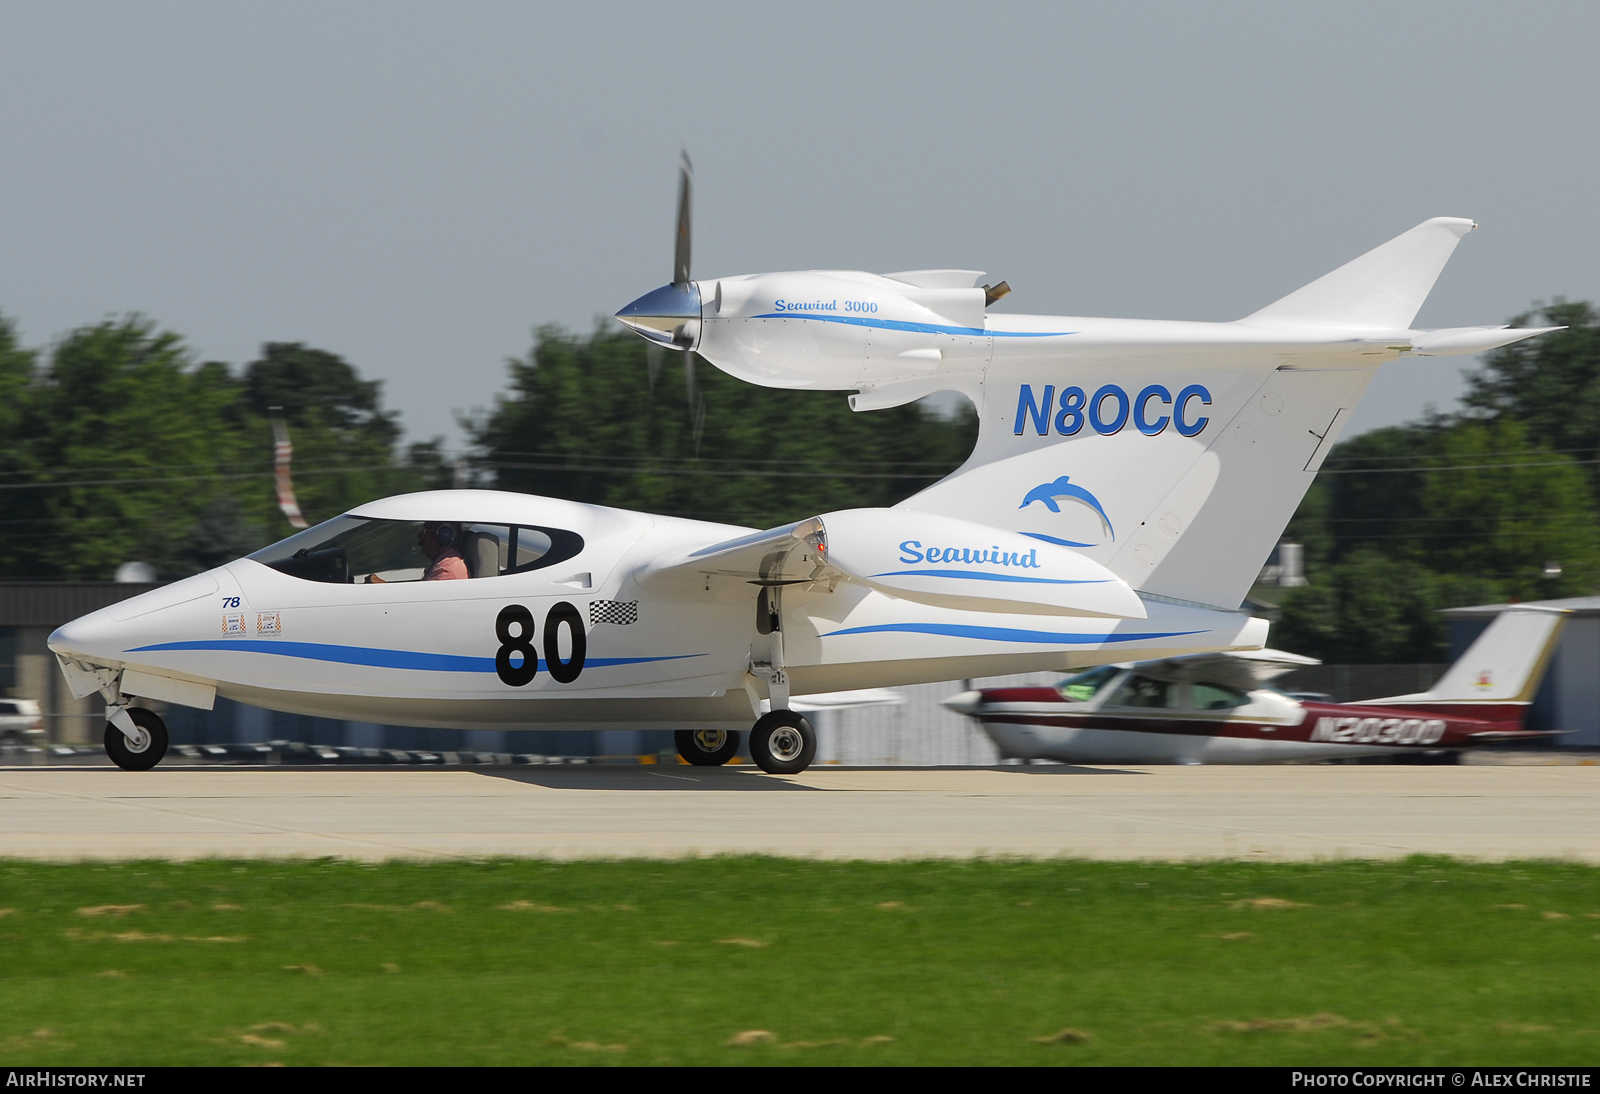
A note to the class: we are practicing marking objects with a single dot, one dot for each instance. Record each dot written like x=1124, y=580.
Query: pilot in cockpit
x=437, y=542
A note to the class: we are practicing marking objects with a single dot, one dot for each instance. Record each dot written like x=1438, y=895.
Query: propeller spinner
x=670, y=315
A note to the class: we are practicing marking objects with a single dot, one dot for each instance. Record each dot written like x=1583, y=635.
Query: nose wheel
x=783, y=743
x=143, y=751
x=706, y=747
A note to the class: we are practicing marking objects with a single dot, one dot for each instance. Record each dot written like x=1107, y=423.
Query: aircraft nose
x=68, y=638
x=669, y=315
x=967, y=702
x=93, y=637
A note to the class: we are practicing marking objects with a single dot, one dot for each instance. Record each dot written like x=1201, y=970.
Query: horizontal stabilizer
x=925, y=557
x=1455, y=340
x=1382, y=290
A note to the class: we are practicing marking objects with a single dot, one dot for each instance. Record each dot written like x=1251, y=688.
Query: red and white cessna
x=1216, y=708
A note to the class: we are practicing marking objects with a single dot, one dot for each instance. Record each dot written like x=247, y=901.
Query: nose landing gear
x=145, y=748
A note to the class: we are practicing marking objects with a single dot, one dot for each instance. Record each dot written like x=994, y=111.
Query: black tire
x=147, y=757
x=692, y=746
x=783, y=743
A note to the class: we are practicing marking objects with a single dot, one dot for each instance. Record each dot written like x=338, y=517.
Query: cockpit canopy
x=349, y=550
x=1123, y=687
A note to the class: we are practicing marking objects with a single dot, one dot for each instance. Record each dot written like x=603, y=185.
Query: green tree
x=16, y=456
x=1372, y=491
x=1550, y=383
x=115, y=423
x=344, y=440
x=1457, y=509
x=590, y=419
x=1367, y=609
x=121, y=447
x=16, y=370
x=1501, y=507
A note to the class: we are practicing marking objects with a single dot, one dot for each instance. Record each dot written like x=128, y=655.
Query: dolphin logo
x=1061, y=488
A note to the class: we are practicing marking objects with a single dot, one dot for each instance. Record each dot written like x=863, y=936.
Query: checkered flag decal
x=620, y=612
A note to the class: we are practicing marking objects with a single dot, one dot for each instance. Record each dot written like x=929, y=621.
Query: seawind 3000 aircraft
x=1129, y=479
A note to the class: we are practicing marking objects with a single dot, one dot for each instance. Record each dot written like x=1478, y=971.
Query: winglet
x=1382, y=290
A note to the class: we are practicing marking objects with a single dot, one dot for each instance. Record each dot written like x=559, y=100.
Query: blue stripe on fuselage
x=412, y=660
x=1005, y=634
x=913, y=328
x=977, y=575
x=1062, y=542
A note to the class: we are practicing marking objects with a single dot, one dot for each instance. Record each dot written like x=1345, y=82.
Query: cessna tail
x=1495, y=679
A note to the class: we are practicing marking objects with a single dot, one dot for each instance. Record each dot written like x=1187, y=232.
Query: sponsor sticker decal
x=269, y=622
x=233, y=623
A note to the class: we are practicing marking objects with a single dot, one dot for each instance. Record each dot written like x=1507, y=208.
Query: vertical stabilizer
x=1504, y=665
x=1175, y=453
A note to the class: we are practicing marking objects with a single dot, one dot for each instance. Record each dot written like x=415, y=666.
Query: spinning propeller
x=670, y=316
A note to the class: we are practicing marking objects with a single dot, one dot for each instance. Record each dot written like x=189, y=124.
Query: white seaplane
x=1129, y=479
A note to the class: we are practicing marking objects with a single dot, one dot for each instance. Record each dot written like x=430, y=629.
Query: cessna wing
x=1244, y=669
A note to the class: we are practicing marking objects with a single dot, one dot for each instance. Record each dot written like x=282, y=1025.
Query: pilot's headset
x=445, y=534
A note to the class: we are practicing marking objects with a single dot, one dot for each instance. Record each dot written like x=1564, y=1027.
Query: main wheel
x=783, y=743
x=706, y=747
x=143, y=754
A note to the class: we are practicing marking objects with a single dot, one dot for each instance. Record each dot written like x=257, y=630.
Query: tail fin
x=1381, y=290
x=1175, y=453
x=1504, y=665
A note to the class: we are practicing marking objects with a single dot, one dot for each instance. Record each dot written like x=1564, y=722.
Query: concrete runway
x=881, y=813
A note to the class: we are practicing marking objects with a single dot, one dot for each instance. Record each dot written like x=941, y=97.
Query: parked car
x=20, y=723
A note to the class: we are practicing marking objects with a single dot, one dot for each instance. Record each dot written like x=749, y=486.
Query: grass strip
x=746, y=960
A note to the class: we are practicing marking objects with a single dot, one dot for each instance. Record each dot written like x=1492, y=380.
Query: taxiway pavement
x=884, y=813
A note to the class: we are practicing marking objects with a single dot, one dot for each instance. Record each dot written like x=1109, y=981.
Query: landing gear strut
x=145, y=749
x=706, y=747
x=783, y=743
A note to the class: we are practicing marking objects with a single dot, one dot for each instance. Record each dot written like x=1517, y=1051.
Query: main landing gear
x=781, y=743
x=144, y=749
x=706, y=747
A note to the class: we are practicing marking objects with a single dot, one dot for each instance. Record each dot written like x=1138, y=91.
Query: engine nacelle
x=841, y=330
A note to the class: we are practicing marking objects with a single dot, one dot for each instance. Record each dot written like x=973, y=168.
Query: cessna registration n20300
x=1129, y=479
x=1215, y=708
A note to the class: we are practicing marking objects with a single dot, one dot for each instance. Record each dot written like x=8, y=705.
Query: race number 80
x=515, y=630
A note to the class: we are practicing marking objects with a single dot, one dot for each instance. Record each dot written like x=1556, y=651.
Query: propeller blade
x=680, y=258
x=652, y=361
x=670, y=315
x=696, y=400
